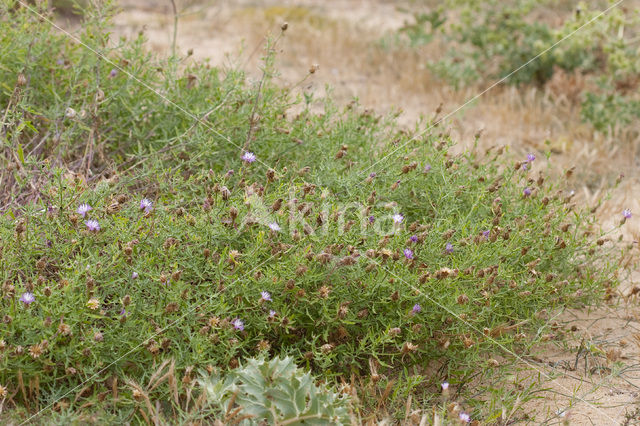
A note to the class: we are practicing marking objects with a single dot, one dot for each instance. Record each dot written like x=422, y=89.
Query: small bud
x=313, y=68
x=22, y=80
x=284, y=26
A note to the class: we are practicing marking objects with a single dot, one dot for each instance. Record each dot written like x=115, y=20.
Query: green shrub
x=489, y=40
x=360, y=243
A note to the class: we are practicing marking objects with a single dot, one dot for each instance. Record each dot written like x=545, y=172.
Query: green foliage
x=489, y=40
x=481, y=248
x=275, y=391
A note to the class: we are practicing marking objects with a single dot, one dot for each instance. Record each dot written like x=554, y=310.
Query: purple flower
x=427, y=168
x=449, y=248
x=60, y=62
x=526, y=192
x=146, y=205
x=445, y=385
x=414, y=238
x=485, y=234
x=249, y=157
x=525, y=167
x=408, y=253
x=238, y=324
x=113, y=73
x=531, y=157
x=372, y=219
x=626, y=213
x=83, y=209
x=265, y=296
x=134, y=275
x=92, y=225
x=397, y=218
x=274, y=227
x=416, y=308
x=27, y=298
x=123, y=313
x=372, y=174
x=272, y=313
x=464, y=417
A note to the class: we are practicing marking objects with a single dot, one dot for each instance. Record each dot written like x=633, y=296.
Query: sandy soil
x=596, y=379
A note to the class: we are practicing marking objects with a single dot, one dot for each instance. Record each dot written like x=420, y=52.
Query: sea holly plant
x=275, y=391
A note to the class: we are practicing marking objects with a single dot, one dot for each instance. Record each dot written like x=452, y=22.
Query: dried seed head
x=409, y=347
x=463, y=299
x=323, y=292
x=395, y=331
x=342, y=311
x=326, y=348
x=98, y=337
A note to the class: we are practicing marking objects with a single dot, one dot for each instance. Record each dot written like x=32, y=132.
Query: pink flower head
x=445, y=386
x=416, y=308
x=464, y=417
x=238, y=324
x=83, y=209
x=531, y=157
x=265, y=296
x=272, y=313
x=274, y=227
x=626, y=213
x=146, y=205
x=92, y=225
x=27, y=298
x=427, y=168
x=249, y=157
x=449, y=248
x=397, y=218
x=134, y=275
x=526, y=192
x=408, y=253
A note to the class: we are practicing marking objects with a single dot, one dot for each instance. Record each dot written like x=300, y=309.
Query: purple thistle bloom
x=238, y=324
x=60, y=62
x=445, y=385
x=92, y=225
x=249, y=157
x=531, y=157
x=416, y=308
x=449, y=248
x=397, y=218
x=274, y=227
x=134, y=275
x=414, y=238
x=146, y=205
x=272, y=313
x=408, y=253
x=464, y=417
x=372, y=174
x=427, y=168
x=27, y=298
x=113, y=73
x=123, y=313
x=526, y=192
x=265, y=296
x=372, y=219
x=525, y=167
x=485, y=234
x=626, y=213
x=83, y=209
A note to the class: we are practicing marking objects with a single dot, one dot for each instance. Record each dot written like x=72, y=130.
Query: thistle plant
x=330, y=239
